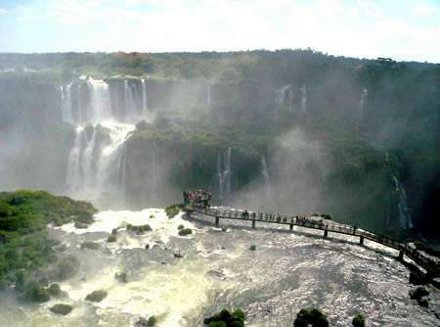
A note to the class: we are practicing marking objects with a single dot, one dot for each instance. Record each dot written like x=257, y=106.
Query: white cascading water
x=66, y=103
x=144, y=98
x=405, y=220
x=93, y=169
x=97, y=161
x=111, y=162
x=74, y=162
x=361, y=106
x=303, y=99
x=266, y=176
x=100, y=108
x=224, y=173
x=283, y=94
x=130, y=109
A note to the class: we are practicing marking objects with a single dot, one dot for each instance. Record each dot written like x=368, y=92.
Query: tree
x=358, y=321
x=310, y=317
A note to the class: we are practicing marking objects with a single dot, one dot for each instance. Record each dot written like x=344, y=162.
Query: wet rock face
x=417, y=278
x=420, y=294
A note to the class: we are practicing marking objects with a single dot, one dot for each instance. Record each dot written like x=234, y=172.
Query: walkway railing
x=429, y=263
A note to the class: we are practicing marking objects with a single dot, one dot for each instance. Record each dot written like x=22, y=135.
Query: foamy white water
x=216, y=269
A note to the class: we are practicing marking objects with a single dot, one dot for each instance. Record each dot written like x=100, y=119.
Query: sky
x=399, y=29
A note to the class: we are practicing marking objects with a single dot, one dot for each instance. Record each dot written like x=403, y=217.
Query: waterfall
x=224, y=173
x=97, y=162
x=361, y=107
x=80, y=107
x=111, y=161
x=74, y=162
x=87, y=157
x=130, y=110
x=303, y=99
x=100, y=100
x=144, y=98
x=405, y=220
x=66, y=103
x=266, y=176
x=95, y=168
x=284, y=93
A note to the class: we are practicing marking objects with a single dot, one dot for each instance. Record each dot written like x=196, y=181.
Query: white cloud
x=3, y=11
x=425, y=10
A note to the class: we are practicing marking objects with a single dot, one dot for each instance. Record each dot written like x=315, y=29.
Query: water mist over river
x=287, y=272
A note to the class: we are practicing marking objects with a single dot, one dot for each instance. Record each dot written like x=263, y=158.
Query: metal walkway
x=429, y=263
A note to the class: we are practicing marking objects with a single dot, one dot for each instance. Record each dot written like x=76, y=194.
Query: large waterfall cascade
x=224, y=173
x=96, y=163
x=404, y=212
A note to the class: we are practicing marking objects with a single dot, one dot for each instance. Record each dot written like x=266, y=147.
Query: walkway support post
x=217, y=221
x=400, y=257
x=291, y=226
x=253, y=222
x=325, y=233
x=361, y=240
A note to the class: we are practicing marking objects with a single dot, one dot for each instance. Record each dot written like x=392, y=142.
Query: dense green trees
x=24, y=246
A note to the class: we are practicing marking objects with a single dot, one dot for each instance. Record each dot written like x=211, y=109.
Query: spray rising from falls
x=224, y=174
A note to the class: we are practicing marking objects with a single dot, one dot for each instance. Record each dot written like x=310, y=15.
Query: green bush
x=61, y=309
x=253, y=247
x=185, y=231
x=33, y=292
x=139, y=229
x=54, y=289
x=226, y=319
x=180, y=227
x=310, y=317
x=96, y=296
x=112, y=238
x=122, y=277
x=172, y=210
x=358, y=321
x=152, y=321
